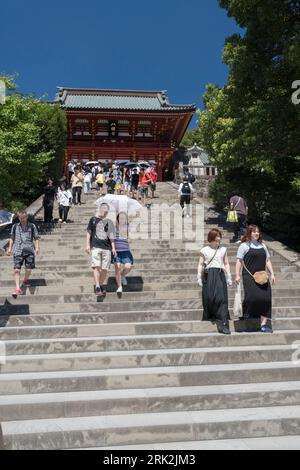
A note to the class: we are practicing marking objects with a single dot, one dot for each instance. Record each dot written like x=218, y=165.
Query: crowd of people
x=108, y=243
x=133, y=181
x=136, y=182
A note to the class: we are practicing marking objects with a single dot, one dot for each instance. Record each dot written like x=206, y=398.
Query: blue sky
x=169, y=45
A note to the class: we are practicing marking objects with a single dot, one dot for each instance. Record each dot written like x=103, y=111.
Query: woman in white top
x=214, y=277
x=87, y=182
x=64, y=199
x=253, y=257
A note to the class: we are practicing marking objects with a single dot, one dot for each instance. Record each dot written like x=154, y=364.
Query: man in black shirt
x=48, y=202
x=111, y=185
x=100, y=244
x=135, y=179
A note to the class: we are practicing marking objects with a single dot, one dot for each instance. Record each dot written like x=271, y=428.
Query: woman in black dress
x=253, y=257
x=214, y=277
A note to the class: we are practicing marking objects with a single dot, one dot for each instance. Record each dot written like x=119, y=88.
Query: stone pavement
x=143, y=370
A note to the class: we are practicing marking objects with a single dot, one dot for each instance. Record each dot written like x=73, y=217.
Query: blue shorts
x=27, y=258
x=123, y=257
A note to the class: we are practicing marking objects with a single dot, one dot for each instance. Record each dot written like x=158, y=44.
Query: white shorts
x=101, y=259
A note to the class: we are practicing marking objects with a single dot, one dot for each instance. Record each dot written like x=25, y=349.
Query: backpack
x=15, y=226
x=192, y=178
x=186, y=189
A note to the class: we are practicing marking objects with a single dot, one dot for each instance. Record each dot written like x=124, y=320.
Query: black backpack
x=16, y=225
x=186, y=189
x=192, y=178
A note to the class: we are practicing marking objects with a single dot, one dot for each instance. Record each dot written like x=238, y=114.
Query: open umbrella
x=144, y=165
x=6, y=218
x=120, y=203
x=131, y=165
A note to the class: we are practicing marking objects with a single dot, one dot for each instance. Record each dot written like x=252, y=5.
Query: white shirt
x=218, y=261
x=191, y=188
x=245, y=248
x=87, y=178
x=64, y=198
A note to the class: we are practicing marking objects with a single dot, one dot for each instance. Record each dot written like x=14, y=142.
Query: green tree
x=53, y=124
x=32, y=134
x=250, y=127
x=191, y=137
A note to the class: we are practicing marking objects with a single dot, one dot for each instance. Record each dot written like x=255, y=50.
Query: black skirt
x=215, y=296
x=258, y=299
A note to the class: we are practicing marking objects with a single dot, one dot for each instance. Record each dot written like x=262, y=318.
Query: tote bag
x=238, y=305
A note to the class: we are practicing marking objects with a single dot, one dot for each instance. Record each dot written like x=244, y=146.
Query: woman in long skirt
x=253, y=257
x=214, y=277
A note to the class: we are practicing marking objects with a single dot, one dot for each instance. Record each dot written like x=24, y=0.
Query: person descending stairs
x=144, y=370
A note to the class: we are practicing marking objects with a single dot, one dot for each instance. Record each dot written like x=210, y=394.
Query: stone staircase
x=143, y=371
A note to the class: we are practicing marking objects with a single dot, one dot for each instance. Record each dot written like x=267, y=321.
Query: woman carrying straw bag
x=253, y=259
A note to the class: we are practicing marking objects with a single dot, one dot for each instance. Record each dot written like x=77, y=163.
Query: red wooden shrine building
x=109, y=126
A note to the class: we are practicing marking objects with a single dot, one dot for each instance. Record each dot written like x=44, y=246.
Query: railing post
x=1, y=439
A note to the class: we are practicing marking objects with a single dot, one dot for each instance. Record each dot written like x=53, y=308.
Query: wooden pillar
x=93, y=130
x=160, y=167
x=66, y=162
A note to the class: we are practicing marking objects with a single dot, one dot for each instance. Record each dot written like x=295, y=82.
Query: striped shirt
x=23, y=238
x=122, y=243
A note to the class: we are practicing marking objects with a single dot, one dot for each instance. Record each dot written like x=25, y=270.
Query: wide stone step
x=264, y=443
x=187, y=356
x=162, y=427
x=70, y=304
x=147, y=328
x=289, y=280
x=135, y=285
x=138, y=267
x=141, y=378
x=185, y=260
x=115, y=342
x=16, y=318
x=154, y=400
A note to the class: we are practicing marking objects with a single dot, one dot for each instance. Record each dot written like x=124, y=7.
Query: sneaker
x=224, y=329
x=18, y=292
x=99, y=292
x=120, y=290
x=266, y=329
x=59, y=221
x=124, y=281
x=26, y=283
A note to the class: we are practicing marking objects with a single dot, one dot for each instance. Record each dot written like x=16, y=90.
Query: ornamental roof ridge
x=92, y=98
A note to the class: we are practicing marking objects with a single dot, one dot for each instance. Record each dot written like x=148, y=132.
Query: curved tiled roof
x=72, y=98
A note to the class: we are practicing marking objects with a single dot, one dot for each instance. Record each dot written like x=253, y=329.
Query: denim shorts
x=123, y=257
x=27, y=258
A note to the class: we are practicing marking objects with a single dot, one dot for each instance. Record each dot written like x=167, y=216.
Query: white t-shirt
x=218, y=261
x=181, y=188
x=64, y=198
x=88, y=178
x=245, y=248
